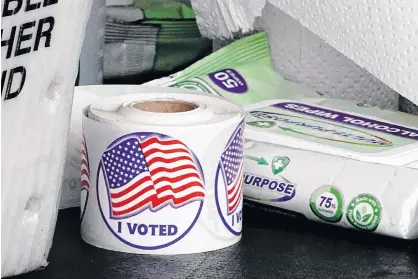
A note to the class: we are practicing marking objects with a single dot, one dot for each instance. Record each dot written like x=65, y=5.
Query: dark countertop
x=272, y=247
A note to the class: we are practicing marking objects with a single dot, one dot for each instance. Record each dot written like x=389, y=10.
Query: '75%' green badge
x=364, y=212
x=327, y=203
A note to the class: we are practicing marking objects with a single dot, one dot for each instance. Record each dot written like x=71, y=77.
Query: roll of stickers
x=84, y=96
x=162, y=173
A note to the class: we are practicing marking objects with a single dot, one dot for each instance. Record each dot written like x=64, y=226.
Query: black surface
x=272, y=247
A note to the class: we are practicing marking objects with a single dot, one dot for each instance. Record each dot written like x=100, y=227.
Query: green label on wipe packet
x=342, y=129
x=246, y=83
x=242, y=72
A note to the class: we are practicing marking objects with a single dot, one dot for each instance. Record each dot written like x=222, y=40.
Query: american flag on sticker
x=150, y=173
x=85, y=168
x=232, y=165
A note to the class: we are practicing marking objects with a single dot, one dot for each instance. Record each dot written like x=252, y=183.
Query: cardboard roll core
x=165, y=106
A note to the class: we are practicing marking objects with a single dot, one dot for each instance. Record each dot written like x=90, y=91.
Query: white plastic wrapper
x=162, y=173
x=41, y=43
x=335, y=162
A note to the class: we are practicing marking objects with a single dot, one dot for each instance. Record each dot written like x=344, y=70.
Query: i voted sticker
x=145, y=181
x=229, y=182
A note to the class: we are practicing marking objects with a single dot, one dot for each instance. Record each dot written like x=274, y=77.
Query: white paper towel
x=302, y=56
x=163, y=182
x=379, y=36
x=224, y=18
x=35, y=106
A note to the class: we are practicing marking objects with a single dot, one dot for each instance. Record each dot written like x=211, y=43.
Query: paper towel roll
x=379, y=36
x=224, y=19
x=163, y=173
x=41, y=44
x=301, y=56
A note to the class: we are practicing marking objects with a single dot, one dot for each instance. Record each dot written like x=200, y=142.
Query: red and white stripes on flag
x=152, y=173
x=234, y=192
x=85, y=168
x=232, y=165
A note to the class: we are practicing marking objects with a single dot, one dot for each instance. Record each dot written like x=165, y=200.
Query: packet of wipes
x=328, y=160
x=336, y=162
x=242, y=72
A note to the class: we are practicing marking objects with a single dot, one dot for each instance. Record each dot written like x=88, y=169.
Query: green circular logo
x=327, y=203
x=364, y=212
